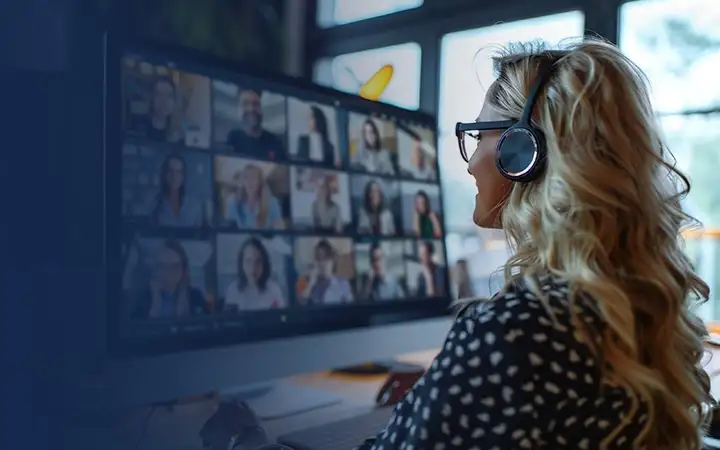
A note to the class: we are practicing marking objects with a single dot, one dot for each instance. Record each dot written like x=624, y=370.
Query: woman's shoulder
x=540, y=308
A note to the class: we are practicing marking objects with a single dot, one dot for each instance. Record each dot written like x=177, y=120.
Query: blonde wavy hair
x=606, y=216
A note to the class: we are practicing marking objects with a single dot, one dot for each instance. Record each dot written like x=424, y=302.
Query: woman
x=431, y=279
x=173, y=207
x=161, y=124
x=370, y=155
x=422, y=165
x=169, y=294
x=316, y=146
x=374, y=217
x=323, y=287
x=325, y=212
x=426, y=223
x=252, y=205
x=591, y=343
x=254, y=289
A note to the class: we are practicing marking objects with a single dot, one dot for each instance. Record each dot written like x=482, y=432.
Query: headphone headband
x=543, y=75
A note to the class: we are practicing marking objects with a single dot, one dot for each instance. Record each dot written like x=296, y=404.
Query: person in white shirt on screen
x=325, y=212
x=369, y=154
x=254, y=288
x=316, y=146
x=374, y=216
x=421, y=168
x=323, y=286
x=173, y=206
x=252, y=205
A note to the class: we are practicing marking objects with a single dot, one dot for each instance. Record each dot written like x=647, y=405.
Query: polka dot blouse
x=510, y=376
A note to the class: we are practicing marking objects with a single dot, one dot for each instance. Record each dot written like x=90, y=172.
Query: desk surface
x=179, y=429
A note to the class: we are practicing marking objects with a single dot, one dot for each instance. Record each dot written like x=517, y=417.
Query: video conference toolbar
x=240, y=198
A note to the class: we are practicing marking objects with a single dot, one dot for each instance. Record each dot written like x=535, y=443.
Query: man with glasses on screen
x=251, y=139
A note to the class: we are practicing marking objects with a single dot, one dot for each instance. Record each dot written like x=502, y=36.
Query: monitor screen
x=246, y=208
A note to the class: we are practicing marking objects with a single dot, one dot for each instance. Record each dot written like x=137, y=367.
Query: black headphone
x=520, y=152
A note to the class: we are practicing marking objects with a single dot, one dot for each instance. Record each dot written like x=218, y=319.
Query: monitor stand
x=377, y=368
x=280, y=399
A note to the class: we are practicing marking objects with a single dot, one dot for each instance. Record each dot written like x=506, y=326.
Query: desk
x=179, y=429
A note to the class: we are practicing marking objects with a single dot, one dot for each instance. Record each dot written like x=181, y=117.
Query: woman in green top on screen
x=426, y=223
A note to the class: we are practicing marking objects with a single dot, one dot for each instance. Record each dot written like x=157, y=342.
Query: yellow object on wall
x=375, y=86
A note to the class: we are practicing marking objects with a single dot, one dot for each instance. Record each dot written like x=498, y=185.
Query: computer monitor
x=261, y=226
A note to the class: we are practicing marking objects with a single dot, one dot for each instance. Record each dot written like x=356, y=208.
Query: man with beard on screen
x=251, y=139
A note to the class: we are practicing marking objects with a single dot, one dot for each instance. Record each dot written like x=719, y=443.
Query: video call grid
x=353, y=285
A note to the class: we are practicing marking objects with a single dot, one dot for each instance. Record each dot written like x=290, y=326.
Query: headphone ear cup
x=541, y=159
x=517, y=153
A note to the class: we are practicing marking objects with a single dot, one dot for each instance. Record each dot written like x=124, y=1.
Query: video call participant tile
x=373, y=144
x=167, y=278
x=249, y=122
x=421, y=215
x=377, y=206
x=320, y=200
x=426, y=268
x=252, y=271
x=313, y=133
x=325, y=271
x=251, y=194
x=166, y=105
x=381, y=270
x=167, y=188
x=417, y=152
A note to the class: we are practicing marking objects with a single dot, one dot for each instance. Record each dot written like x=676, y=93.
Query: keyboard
x=341, y=435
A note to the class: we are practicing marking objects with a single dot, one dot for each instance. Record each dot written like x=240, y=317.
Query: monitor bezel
x=326, y=320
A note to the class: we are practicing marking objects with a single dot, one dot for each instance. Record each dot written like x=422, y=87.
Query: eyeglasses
x=468, y=134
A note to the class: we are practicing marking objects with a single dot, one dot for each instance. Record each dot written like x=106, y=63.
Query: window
x=484, y=252
x=339, y=12
x=465, y=74
x=694, y=139
x=348, y=72
x=677, y=44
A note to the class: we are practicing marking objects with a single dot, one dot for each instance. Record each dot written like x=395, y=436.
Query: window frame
x=428, y=23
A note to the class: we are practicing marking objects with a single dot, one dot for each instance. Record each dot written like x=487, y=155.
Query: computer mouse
x=233, y=426
x=397, y=384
